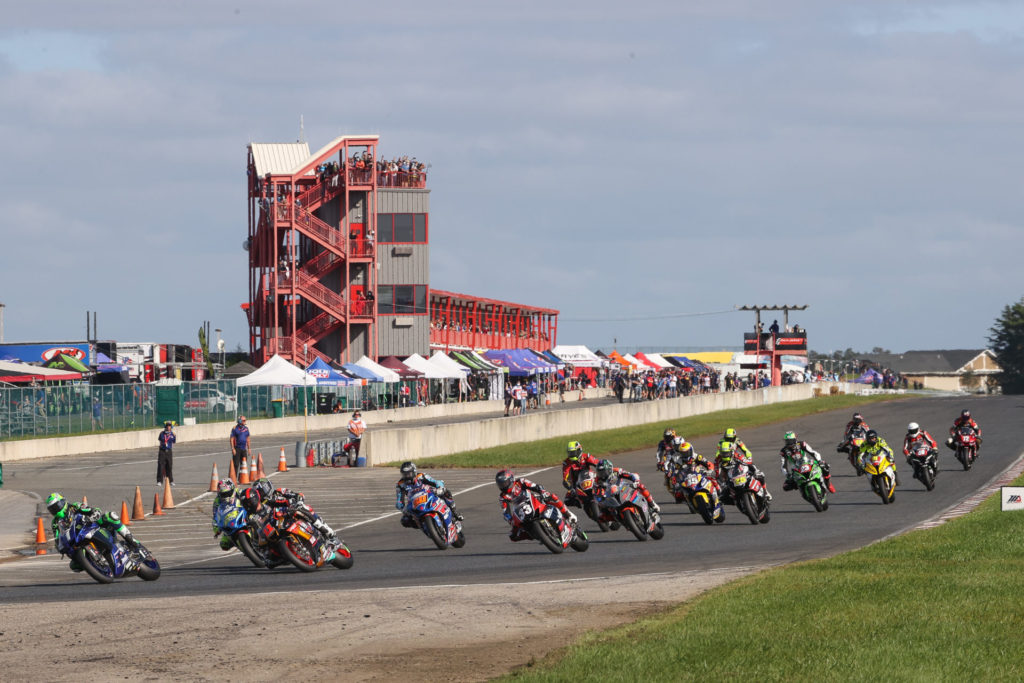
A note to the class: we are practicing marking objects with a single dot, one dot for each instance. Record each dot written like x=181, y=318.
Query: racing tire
x=927, y=478
x=767, y=516
x=343, y=557
x=102, y=574
x=658, y=532
x=579, y=542
x=630, y=521
x=460, y=540
x=750, y=507
x=883, y=488
x=149, y=568
x=815, y=498
x=542, y=531
x=964, y=456
x=298, y=552
x=430, y=526
x=245, y=546
x=594, y=512
x=703, y=506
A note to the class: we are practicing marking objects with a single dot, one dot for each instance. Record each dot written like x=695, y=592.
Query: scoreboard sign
x=785, y=342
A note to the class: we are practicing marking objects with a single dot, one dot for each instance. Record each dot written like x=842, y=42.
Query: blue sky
x=628, y=168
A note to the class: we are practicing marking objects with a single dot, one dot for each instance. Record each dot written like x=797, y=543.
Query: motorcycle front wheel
x=703, y=506
x=342, y=557
x=594, y=512
x=630, y=521
x=97, y=563
x=541, y=530
x=884, y=488
x=149, y=568
x=750, y=507
x=964, y=456
x=430, y=526
x=814, y=497
x=245, y=545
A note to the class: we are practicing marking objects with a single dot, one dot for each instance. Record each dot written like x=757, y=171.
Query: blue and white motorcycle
x=431, y=513
x=102, y=553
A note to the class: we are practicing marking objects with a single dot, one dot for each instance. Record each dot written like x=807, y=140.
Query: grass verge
x=938, y=605
x=610, y=441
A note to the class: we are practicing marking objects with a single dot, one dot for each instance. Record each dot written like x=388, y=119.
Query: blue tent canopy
x=361, y=372
x=520, y=362
x=328, y=376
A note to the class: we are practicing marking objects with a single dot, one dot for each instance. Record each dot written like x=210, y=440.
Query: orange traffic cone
x=85, y=501
x=168, y=500
x=124, y=514
x=157, y=512
x=214, y=478
x=137, y=511
x=259, y=466
x=40, y=537
x=252, y=471
x=232, y=475
x=243, y=472
x=282, y=464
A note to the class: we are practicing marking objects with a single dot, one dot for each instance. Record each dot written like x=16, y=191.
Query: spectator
x=240, y=443
x=774, y=328
x=165, y=458
x=356, y=427
x=508, y=397
x=97, y=413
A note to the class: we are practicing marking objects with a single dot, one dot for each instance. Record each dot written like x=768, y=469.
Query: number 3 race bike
x=546, y=524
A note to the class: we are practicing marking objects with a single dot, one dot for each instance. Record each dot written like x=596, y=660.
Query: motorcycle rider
x=511, y=486
x=286, y=498
x=731, y=437
x=665, y=448
x=874, y=444
x=690, y=457
x=226, y=495
x=791, y=450
x=856, y=422
x=965, y=420
x=61, y=509
x=605, y=470
x=575, y=461
x=914, y=435
x=411, y=478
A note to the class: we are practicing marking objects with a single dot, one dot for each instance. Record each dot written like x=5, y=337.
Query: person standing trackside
x=240, y=441
x=356, y=427
x=165, y=459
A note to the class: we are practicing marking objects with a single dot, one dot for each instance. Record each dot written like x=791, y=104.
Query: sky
x=643, y=168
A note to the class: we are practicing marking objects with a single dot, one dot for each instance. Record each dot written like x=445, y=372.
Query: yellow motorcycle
x=879, y=466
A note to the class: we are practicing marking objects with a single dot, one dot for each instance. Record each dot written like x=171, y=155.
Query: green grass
x=551, y=451
x=938, y=605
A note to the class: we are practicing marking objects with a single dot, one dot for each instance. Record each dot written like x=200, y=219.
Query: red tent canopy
x=403, y=370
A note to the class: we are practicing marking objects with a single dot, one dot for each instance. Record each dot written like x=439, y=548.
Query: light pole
x=220, y=347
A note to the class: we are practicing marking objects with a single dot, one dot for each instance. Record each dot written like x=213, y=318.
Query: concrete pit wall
x=444, y=439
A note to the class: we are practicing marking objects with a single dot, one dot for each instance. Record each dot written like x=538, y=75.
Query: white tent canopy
x=418, y=362
x=277, y=372
x=449, y=367
x=580, y=356
x=388, y=374
x=658, y=360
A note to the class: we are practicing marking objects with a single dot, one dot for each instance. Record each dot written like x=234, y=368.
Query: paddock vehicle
x=102, y=553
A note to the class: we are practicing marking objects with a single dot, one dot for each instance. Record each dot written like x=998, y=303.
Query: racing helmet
x=730, y=434
x=913, y=429
x=604, y=469
x=57, y=505
x=871, y=437
x=225, y=489
x=408, y=470
x=857, y=418
x=965, y=414
x=573, y=451
x=264, y=488
x=504, y=479
x=790, y=438
x=670, y=435
x=251, y=500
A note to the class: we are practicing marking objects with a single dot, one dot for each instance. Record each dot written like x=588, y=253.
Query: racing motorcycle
x=924, y=460
x=102, y=553
x=702, y=495
x=430, y=513
x=545, y=523
x=232, y=520
x=856, y=438
x=965, y=442
x=807, y=476
x=582, y=496
x=883, y=475
x=620, y=498
x=288, y=535
x=750, y=495
x=675, y=471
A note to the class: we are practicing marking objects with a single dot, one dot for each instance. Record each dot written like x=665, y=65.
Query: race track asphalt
x=359, y=502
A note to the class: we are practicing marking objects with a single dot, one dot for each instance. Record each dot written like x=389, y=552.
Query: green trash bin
x=277, y=406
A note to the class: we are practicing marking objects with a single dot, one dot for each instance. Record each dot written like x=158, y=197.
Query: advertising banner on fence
x=1011, y=498
x=42, y=353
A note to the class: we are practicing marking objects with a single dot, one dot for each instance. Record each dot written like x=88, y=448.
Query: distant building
x=968, y=370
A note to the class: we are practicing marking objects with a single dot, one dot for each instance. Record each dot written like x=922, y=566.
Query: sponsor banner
x=35, y=353
x=1011, y=498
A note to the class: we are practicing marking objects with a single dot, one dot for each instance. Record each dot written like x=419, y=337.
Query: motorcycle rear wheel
x=298, y=552
x=86, y=558
x=750, y=507
x=630, y=521
x=435, y=534
x=541, y=530
x=245, y=545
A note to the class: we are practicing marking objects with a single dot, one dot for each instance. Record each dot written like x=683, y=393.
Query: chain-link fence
x=83, y=408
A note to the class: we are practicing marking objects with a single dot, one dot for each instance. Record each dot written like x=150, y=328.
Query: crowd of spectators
x=441, y=324
x=401, y=172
